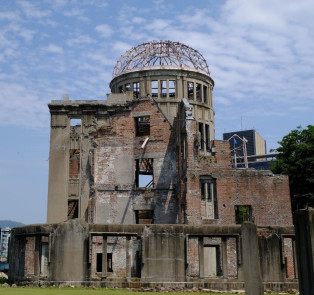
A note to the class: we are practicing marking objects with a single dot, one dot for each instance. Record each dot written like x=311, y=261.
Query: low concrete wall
x=147, y=255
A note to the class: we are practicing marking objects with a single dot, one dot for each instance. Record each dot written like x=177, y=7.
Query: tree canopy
x=296, y=159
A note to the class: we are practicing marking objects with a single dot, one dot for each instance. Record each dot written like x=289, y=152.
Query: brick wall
x=117, y=149
x=266, y=193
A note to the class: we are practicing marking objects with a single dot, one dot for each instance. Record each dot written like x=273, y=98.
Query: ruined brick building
x=140, y=192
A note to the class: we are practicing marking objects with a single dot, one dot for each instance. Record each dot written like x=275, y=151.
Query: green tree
x=296, y=159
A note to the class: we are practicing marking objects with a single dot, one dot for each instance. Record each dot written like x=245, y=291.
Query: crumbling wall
x=116, y=195
x=207, y=255
x=268, y=195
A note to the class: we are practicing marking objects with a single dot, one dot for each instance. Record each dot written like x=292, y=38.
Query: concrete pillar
x=104, y=257
x=201, y=256
x=251, y=262
x=58, y=169
x=224, y=257
x=128, y=258
x=69, y=253
x=37, y=256
x=163, y=255
x=304, y=237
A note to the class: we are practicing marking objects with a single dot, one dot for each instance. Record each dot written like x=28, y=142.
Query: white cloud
x=121, y=47
x=76, y=13
x=52, y=48
x=138, y=20
x=158, y=24
x=9, y=15
x=104, y=30
x=32, y=11
x=80, y=40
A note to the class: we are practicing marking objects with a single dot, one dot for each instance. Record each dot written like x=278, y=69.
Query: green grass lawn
x=81, y=291
x=77, y=291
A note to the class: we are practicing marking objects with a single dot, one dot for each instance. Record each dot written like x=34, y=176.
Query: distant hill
x=9, y=223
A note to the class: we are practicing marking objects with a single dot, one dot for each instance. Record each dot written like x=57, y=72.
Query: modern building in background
x=256, y=144
x=141, y=194
x=256, y=151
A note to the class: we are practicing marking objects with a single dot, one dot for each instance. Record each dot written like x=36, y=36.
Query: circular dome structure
x=161, y=55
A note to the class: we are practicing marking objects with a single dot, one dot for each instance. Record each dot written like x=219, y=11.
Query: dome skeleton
x=161, y=54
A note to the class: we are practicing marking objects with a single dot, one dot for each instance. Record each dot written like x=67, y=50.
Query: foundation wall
x=147, y=255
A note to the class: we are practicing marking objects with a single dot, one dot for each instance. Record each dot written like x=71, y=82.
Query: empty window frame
x=172, y=88
x=120, y=89
x=98, y=262
x=142, y=125
x=208, y=197
x=127, y=87
x=243, y=213
x=207, y=138
x=74, y=163
x=144, y=216
x=155, y=88
x=44, y=258
x=144, y=177
x=212, y=261
x=190, y=90
x=136, y=89
x=198, y=92
x=73, y=209
x=75, y=122
x=201, y=130
x=205, y=94
x=109, y=262
x=163, y=88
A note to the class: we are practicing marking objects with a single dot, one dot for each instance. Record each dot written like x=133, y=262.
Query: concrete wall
x=147, y=255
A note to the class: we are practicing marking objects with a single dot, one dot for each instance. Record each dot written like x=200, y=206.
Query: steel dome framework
x=161, y=54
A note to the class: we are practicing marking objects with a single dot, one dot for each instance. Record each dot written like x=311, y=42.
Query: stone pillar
x=201, y=256
x=163, y=254
x=224, y=257
x=251, y=262
x=69, y=253
x=58, y=168
x=104, y=257
x=304, y=237
x=128, y=258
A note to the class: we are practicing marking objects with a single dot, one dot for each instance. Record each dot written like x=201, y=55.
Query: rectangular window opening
x=172, y=88
x=144, y=216
x=74, y=163
x=212, y=261
x=163, y=88
x=144, y=173
x=190, y=90
x=73, y=209
x=243, y=213
x=208, y=197
x=198, y=92
x=201, y=130
x=142, y=125
x=75, y=122
x=207, y=138
x=120, y=89
x=98, y=262
x=136, y=89
x=205, y=94
x=127, y=87
x=154, y=88
x=109, y=262
x=44, y=260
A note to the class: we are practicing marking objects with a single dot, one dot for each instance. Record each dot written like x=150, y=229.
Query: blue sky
x=260, y=54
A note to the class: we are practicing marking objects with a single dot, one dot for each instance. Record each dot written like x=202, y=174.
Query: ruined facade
x=139, y=182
